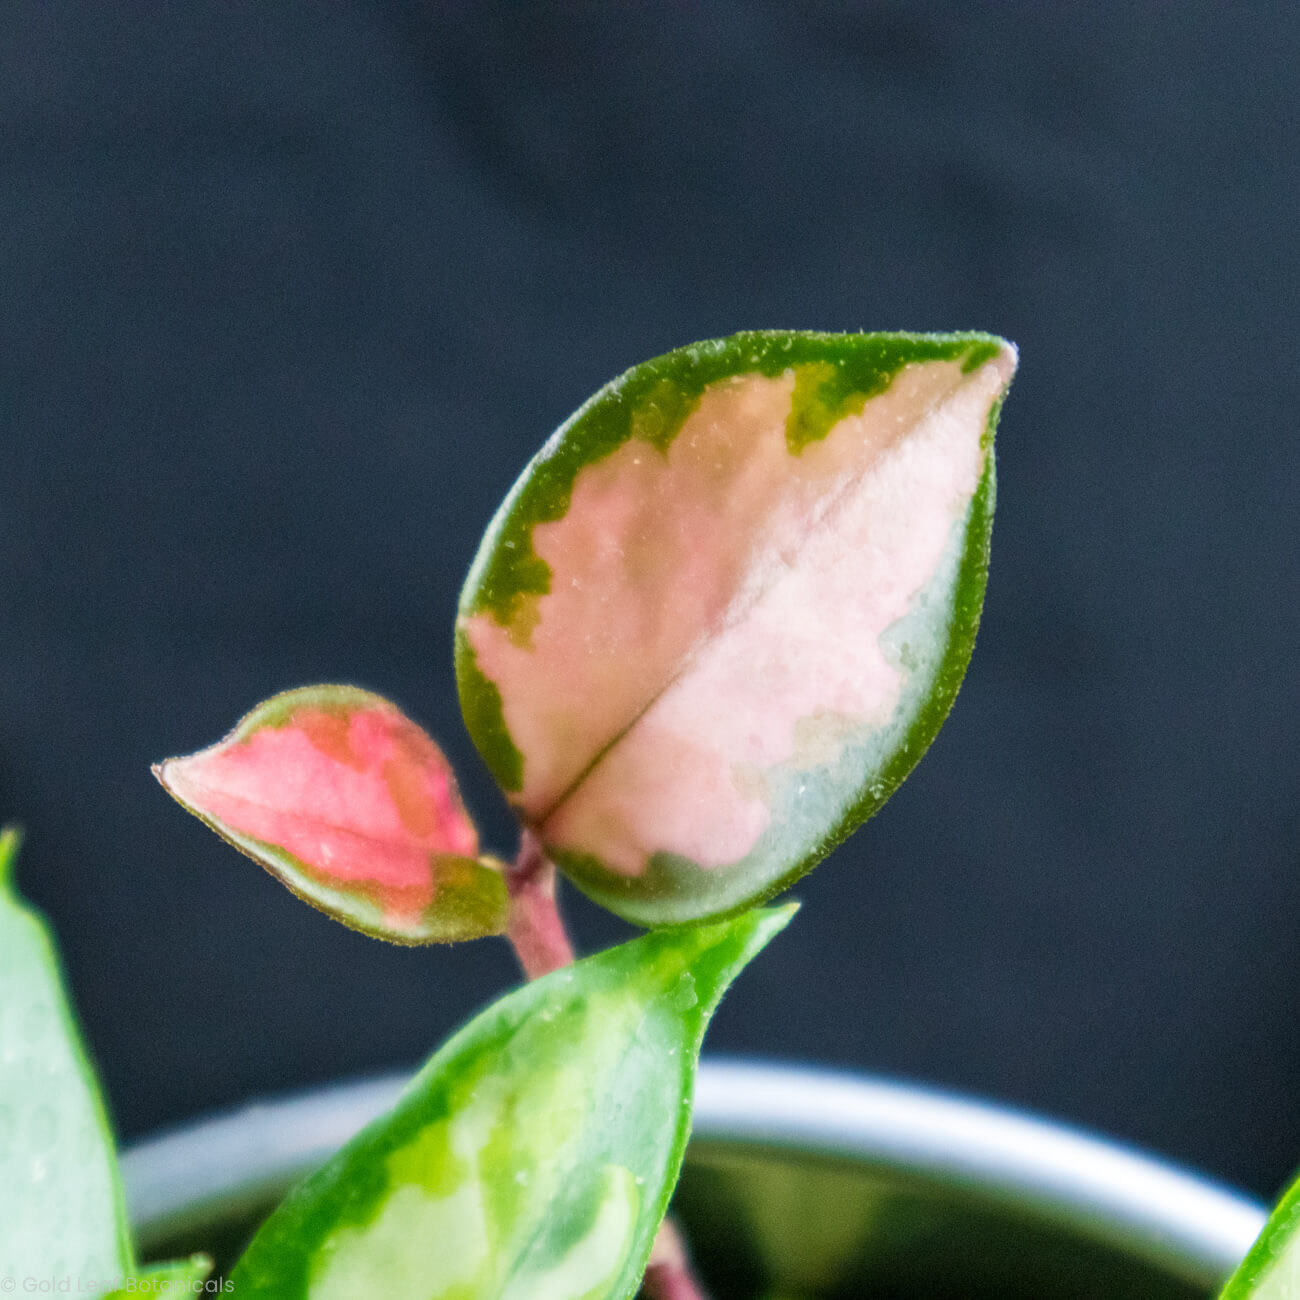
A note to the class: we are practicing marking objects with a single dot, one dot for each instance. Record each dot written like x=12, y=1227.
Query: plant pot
x=803, y=1184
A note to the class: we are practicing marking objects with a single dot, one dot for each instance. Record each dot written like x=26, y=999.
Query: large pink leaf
x=728, y=605
x=347, y=801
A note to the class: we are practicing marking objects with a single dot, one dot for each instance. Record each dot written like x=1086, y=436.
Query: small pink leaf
x=344, y=799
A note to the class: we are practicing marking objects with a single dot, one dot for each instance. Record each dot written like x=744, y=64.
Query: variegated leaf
x=533, y=1157
x=351, y=805
x=62, y=1214
x=728, y=605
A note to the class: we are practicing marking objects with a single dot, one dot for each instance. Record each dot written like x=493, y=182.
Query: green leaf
x=179, y=1278
x=62, y=1213
x=343, y=798
x=533, y=1157
x=1271, y=1269
x=727, y=607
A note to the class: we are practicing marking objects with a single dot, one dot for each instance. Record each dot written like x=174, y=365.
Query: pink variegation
x=739, y=634
x=352, y=806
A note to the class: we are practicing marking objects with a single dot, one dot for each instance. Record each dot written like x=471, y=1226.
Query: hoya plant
x=718, y=619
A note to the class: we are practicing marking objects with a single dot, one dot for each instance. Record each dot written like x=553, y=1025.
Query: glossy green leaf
x=728, y=605
x=343, y=798
x=184, y=1277
x=533, y=1157
x=1271, y=1269
x=62, y=1214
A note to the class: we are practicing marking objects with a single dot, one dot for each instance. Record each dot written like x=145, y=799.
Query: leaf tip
x=1004, y=363
x=11, y=839
x=166, y=774
x=770, y=921
x=1006, y=358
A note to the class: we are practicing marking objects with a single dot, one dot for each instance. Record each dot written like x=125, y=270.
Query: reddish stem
x=537, y=934
x=668, y=1275
x=535, y=929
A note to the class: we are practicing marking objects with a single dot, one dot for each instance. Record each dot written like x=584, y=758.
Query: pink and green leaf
x=344, y=799
x=726, y=608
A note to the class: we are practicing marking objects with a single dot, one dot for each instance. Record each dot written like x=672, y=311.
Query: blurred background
x=290, y=293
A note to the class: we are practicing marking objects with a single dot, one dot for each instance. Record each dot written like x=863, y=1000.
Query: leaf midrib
x=736, y=610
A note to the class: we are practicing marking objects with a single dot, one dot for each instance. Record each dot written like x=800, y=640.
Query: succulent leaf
x=1271, y=1269
x=533, y=1157
x=728, y=605
x=344, y=799
x=62, y=1213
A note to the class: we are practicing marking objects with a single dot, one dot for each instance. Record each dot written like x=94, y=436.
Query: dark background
x=289, y=294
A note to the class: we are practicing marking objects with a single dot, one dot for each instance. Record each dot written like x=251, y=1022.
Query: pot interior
x=769, y=1223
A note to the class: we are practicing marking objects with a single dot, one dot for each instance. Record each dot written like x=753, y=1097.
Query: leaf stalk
x=535, y=928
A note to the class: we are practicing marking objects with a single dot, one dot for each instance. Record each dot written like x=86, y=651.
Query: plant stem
x=535, y=928
x=537, y=934
x=668, y=1276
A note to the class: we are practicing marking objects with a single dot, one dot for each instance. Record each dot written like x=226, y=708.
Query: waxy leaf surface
x=728, y=605
x=339, y=795
x=533, y=1157
x=1271, y=1269
x=62, y=1215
